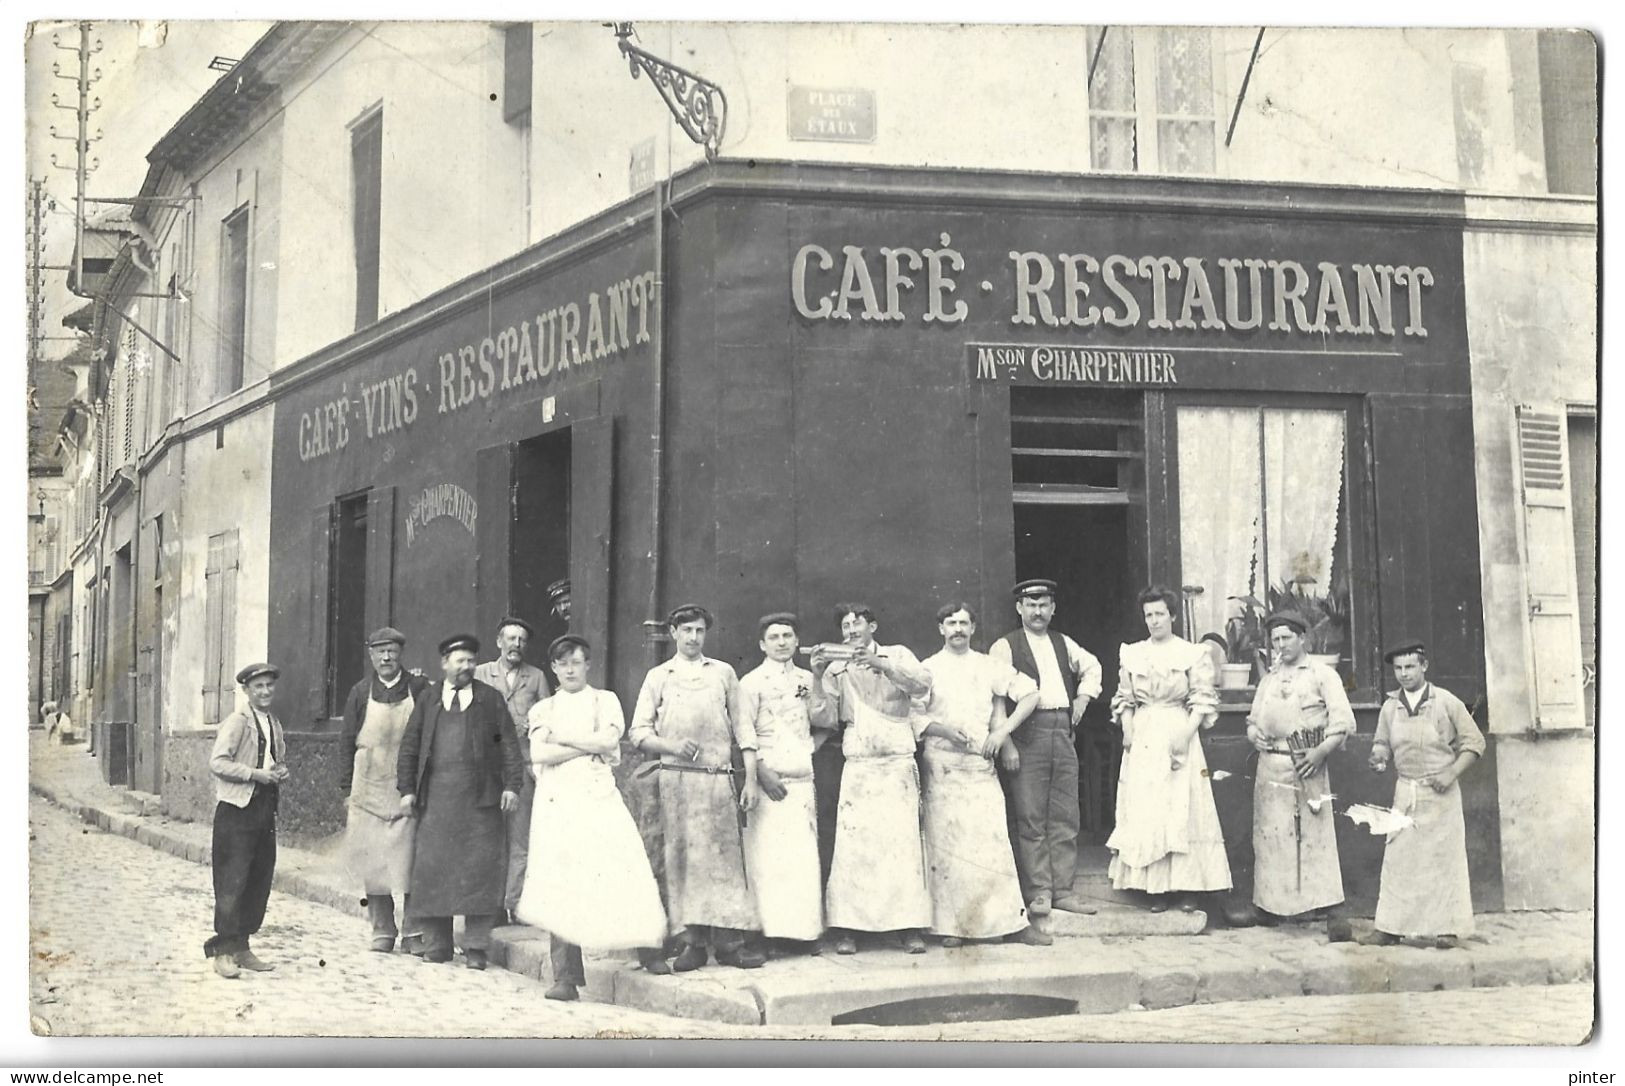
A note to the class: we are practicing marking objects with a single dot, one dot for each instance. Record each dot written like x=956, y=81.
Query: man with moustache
x=459, y=773
x=877, y=879
x=786, y=710
x=975, y=893
x=1045, y=793
x=521, y=686
x=377, y=834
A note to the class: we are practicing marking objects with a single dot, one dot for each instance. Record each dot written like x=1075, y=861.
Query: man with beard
x=521, y=686
x=377, y=834
x=877, y=878
x=459, y=773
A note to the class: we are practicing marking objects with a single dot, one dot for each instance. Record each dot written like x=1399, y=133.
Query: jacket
x=355, y=715
x=529, y=688
x=236, y=749
x=499, y=769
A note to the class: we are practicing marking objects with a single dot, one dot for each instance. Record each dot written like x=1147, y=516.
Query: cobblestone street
x=137, y=968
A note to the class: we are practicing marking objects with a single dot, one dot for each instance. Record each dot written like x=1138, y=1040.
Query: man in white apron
x=877, y=879
x=786, y=709
x=521, y=686
x=1425, y=898
x=378, y=835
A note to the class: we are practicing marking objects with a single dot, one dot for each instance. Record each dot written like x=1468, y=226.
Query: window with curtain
x=1151, y=99
x=1111, y=99
x=1262, y=510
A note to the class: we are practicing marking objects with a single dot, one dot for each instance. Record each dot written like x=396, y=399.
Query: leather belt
x=679, y=767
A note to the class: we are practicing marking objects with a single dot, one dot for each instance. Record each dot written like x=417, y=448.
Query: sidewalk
x=1124, y=959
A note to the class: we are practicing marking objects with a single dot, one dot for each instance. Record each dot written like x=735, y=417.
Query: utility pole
x=82, y=163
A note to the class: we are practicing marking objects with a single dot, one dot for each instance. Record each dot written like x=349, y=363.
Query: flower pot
x=1330, y=659
x=1235, y=676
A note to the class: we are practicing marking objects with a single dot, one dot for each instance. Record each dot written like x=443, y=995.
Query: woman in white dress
x=590, y=881
x=1167, y=838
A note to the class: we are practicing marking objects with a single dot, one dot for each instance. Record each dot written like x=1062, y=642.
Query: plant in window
x=1325, y=617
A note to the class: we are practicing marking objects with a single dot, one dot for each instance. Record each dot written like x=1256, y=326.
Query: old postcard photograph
x=812, y=530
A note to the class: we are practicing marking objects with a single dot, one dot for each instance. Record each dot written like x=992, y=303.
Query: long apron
x=1425, y=888
x=705, y=856
x=590, y=883
x=378, y=836
x=781, y=855
x=877, y=879
x=460, y=862
x=1167, y=836
x=1295, y=862
x=972, y=872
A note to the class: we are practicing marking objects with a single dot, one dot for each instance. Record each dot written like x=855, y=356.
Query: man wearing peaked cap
x=378, y=835
x=1044, y=788
x=459, y=774
x=521, y=686
x=247, y=764
x=558, y=595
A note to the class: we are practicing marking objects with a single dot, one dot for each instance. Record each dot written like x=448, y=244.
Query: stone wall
x=309, y=807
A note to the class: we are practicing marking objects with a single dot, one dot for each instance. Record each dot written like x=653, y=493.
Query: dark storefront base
x=310, y=806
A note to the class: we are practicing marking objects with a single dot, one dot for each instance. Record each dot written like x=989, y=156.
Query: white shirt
x=963, y=686
x=389, y=684
x=1051, y=686
x=463, y=696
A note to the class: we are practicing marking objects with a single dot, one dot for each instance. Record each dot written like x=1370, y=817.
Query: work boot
x=845, y=944
x=562, y=990
x=383, y=944
x=1074, y=903
x=1039, y=905
x=474, y=959
x=414, y=945
x=742, y=957
x=1032, y=936
x=1446, y=942
x=913, y=943
x=949, y=942
x=247, y=960
x=693, y=956
x=226, y=966
x=1378, y=938
x=657, y=967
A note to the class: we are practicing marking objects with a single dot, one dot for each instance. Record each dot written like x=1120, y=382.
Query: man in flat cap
x=521, y=686
x=1300, y=715
x=877, y=880
x=1044, y=795
x=688, y=715
x=558, y=596
x=378, y=834
x=1425, y=898
x=459, y=773
x=247, y=764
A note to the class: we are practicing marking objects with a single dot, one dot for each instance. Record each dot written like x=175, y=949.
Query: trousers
x=519, y=844
x=243, y=858
x=381, y=912
x=567, y=965
x=476, y=932
x=1045, y=804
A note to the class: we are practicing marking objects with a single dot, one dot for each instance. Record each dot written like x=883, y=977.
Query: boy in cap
x=1044, y=798
x=377, y=834
x=247, y=765
x=1425, y=898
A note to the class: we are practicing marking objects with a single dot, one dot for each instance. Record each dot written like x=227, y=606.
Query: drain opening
x=934, y=1010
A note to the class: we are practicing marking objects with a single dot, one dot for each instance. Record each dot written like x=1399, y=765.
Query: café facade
x=804, y=384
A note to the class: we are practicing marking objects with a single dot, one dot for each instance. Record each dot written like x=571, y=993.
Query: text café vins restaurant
x=908, y=386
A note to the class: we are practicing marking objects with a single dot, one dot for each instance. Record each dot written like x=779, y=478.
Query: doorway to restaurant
x=1078, y=495
x=539, y=547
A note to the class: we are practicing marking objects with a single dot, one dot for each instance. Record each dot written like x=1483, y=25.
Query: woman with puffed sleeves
x=1167, y=838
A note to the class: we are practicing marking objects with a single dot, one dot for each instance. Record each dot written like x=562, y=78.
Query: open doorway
x=1078, y=494
x=539, y=548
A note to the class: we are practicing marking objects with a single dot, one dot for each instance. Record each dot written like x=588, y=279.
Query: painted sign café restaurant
x=806, y=384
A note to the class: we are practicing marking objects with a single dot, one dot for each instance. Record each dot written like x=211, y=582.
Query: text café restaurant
x=807, y=384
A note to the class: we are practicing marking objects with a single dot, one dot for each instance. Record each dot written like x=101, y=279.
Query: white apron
x=378, y=837
x=974, y=890
x=781, y=857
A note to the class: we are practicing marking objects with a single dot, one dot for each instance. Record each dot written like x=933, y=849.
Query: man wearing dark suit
x=521, y=686
x=459, y=773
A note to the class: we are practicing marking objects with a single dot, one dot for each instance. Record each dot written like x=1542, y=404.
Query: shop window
x=1262, y=525
x=1151, y=99
x=220, y=627
x=233, y=302
x=366, y=162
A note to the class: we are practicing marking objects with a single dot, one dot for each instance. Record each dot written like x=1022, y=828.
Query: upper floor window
x=233, y=301
x=366, y=160
x=1151, y=100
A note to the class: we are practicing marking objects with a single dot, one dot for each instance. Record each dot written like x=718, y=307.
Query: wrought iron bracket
x=698, y=104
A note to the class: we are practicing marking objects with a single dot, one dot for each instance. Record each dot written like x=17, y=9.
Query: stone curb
x=1333, y=969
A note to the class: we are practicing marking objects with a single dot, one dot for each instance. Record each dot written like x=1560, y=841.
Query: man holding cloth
x=1045, y=793
x=877, y=880
x=521, y=686
x=377, y=833
x=459, y=773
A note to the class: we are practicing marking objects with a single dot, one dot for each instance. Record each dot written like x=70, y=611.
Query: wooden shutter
x=229, y=565
x=592, y=473
x=493, y=533
x=212, y=602
x=1548, y=536
x=320, y=658
x=380, y=606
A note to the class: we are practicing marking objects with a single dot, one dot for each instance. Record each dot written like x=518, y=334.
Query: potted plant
x=1246, y=646
x=1325, y=617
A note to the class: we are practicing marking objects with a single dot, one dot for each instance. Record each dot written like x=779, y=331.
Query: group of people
x=491, y=795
